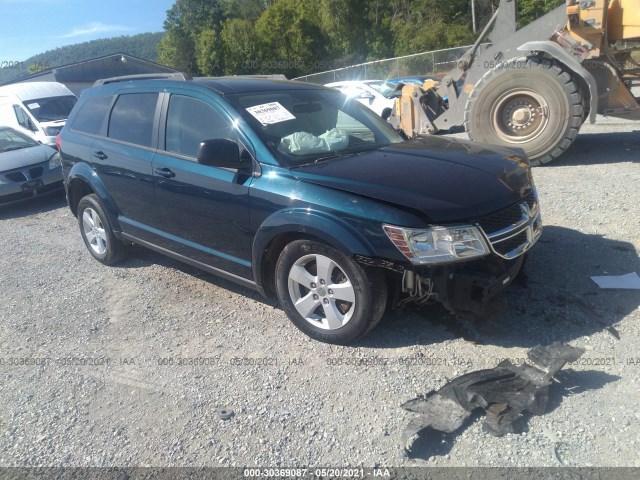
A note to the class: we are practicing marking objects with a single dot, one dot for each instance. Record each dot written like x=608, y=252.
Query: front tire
x=326, y=294
x=97, y=232
x=528, y=103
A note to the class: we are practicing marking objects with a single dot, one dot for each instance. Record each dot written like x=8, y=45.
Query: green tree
x=240, y=47
x=207, y=53
x=432, y=35
x=176, y=50
x=36, y=67
x=191, y=36
x=379, y=35
x=297, y=37
x=423, y=25
x=291, y=40
x=345, y=23
x=530, y=10
x=245, y=9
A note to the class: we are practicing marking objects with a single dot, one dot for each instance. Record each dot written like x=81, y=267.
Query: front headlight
x=438, y=244
x=52, y=131
x=54, y=161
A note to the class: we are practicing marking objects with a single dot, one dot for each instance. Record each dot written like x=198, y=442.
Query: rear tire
x=326, y=294
x=529, y=103
x=97, y=232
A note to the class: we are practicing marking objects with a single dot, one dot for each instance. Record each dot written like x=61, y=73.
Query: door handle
x=165, y=172
x=100, y=155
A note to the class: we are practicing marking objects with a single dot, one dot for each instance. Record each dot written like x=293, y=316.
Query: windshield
x=12, y=140
x=385, y=89
x=52, y=108
x=306, y=126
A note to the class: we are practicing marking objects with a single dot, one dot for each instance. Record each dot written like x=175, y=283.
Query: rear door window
x=132, y=118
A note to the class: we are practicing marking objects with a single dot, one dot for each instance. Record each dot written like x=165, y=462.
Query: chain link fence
x=419, y=64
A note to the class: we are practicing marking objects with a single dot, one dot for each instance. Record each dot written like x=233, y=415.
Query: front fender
x=332, y=230
x=83, y=173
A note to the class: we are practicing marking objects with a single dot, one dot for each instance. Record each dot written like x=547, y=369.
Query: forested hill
x=143, y=46
x=298, y=37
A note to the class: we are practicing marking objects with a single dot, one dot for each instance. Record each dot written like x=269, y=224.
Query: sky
x=30, y=27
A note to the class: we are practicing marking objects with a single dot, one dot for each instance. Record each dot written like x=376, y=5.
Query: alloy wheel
x=93, y=230
x=321, y=292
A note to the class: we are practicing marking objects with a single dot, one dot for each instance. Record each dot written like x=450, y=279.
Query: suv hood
x=446, y=180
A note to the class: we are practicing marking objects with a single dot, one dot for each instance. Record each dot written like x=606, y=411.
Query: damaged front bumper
x=469, y=287
x=464, y=285
x=459, y=287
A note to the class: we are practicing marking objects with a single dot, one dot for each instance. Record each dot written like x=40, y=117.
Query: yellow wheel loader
x=534, y=87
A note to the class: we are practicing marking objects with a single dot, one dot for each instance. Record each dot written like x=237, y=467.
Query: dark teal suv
x=296, y=191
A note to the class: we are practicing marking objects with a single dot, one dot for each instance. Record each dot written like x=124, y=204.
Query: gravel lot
x=298, y=402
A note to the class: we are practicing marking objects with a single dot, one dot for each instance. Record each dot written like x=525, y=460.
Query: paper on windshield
x=270, y=113
x=33, y=106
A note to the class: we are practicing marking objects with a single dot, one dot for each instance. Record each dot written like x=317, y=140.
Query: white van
x=38, y=109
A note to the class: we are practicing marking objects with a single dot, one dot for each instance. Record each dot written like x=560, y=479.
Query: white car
x=37, y=109
x=371, y=93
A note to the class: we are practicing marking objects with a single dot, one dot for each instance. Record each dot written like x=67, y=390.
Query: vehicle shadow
x=33, y=206
x=143, y=257
x=601, y=149
x=570, y=382
x=558, y=301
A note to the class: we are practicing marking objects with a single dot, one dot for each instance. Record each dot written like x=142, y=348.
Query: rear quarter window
x=92, y=115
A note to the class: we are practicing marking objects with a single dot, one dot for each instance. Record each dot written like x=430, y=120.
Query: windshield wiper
x=343, y=153
x=328, y=157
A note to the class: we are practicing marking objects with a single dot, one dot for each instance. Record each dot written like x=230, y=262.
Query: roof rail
x=144, y=76
x=273, y=76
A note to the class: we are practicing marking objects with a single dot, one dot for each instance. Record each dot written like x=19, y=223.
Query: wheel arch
x=83, y=181
x=284, y=227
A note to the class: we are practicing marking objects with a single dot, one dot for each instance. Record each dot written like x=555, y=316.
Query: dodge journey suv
x=298, y=192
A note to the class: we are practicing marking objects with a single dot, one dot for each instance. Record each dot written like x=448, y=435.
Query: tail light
x=59, y=143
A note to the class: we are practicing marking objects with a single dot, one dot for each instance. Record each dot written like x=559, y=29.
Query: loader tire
x=530, y=103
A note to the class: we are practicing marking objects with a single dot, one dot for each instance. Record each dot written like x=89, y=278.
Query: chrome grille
x=503, y=219
x=514, y=230
x=506, y=247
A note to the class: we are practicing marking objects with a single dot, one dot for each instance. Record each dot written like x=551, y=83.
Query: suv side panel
x=92, y=116
x=200, y=211
x=124, y=166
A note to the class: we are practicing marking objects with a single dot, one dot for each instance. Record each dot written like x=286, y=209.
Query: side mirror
x=219, y=152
